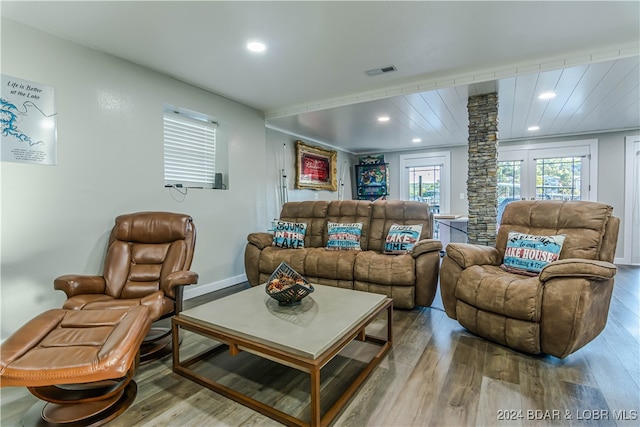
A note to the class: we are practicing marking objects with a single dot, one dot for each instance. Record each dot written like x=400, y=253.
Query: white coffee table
x=305, y=337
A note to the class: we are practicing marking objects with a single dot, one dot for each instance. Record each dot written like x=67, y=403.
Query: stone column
x=482, y=185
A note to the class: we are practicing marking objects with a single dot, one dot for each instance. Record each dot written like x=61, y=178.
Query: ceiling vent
x=383, y=70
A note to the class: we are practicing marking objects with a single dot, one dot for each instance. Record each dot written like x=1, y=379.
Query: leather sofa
x=557, y=311
x=410, y=279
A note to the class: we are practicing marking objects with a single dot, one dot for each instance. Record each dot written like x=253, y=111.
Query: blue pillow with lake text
x=289, y=234
x=401, y=238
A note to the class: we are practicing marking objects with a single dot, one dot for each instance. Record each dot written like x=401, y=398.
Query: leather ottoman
x=80, y=361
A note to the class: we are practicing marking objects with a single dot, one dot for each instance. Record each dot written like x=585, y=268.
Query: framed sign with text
x=315, y=168
x=28, y=118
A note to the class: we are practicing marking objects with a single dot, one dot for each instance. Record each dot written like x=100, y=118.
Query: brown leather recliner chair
x=148, y=256
x=559, y=310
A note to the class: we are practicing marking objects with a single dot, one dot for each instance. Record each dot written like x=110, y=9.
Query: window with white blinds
x=189, y=151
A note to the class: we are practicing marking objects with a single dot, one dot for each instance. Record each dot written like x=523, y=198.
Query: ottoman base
x=81, y=362
x=87, y=414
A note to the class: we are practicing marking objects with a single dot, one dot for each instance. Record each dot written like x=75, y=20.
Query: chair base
x=94, y=413
x=156, y=345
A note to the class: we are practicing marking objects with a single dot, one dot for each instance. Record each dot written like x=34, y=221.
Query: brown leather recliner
x=148, y=256
x=556, y=312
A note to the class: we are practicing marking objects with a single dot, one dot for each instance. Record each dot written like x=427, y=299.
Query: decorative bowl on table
x=287, y=286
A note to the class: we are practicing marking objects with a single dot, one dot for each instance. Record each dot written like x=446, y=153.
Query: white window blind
x=189, y=151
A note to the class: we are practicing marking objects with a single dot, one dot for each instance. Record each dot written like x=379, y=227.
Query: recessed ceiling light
x=532, y=128
x=256, y=46
x=547, y=95
x=416, y=140
x=383, y=119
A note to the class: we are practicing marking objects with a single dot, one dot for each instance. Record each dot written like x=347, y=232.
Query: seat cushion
x=157, y=303
x=374, y=267
x=70, y=347
x=328, y=264
x=489, y=288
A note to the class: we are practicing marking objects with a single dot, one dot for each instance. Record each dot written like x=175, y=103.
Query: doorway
x=632, y=201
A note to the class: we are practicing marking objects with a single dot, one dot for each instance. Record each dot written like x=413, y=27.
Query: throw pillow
x=528, y=254
x=344, y=236
x=402, y=238
x=289, y=234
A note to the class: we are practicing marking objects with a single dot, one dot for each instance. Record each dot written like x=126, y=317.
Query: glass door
x=559, y=178
x=509, y=177
x=424, y=185
x=425, y=177
x=546, y=173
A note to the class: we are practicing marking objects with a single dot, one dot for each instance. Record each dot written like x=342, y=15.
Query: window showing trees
x=558, y=178
x=509, y=180
x=547, y=171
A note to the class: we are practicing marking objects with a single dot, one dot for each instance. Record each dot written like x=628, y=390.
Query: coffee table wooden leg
x=315, y=396
x=390, y=324
x=175, y=336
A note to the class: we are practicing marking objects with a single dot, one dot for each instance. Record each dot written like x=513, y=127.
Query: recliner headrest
x=152, y=227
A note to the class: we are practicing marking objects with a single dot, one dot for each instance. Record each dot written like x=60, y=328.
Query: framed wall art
x=315, y=168
x=372, y=181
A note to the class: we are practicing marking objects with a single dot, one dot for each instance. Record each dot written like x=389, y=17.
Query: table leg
x=315, y=396
x=175, y=337
x=389, y=324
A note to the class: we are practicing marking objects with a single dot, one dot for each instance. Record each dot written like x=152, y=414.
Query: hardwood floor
x=437, y=374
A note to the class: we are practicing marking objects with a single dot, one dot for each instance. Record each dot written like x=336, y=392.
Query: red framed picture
x=315, y=168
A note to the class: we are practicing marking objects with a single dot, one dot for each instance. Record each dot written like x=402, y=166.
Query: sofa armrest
x=76, y=284
x=576, y=267
x=261, y=240
x=178, y=278
x=466, y=255
x=426, y=246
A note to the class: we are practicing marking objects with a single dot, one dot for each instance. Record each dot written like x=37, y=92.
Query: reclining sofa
x=409, y=278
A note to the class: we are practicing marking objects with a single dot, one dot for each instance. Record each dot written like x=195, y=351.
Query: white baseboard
x=624, y=261
x=197, y=290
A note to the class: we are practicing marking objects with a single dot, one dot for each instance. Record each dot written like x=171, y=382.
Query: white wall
x=56, y=219
x=277, y=143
